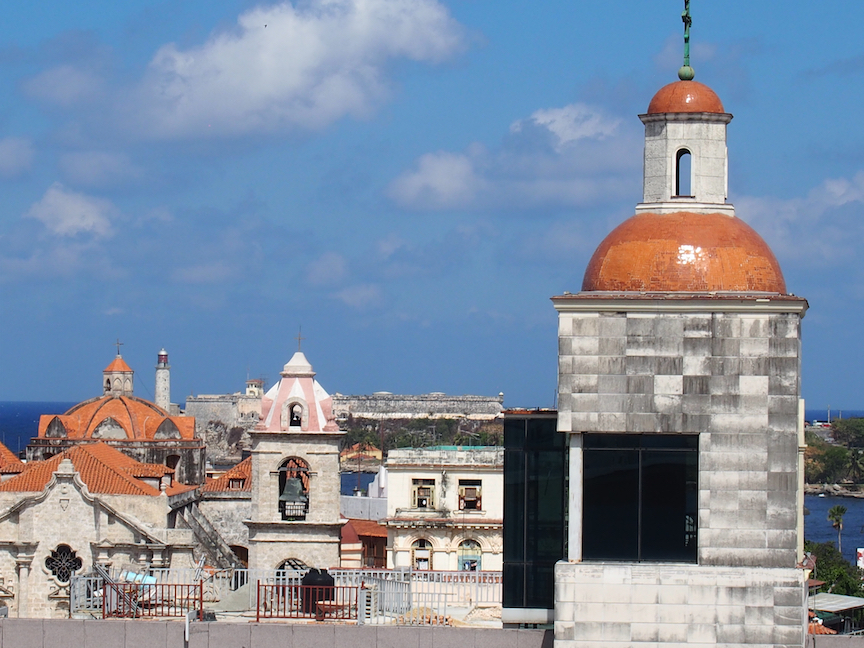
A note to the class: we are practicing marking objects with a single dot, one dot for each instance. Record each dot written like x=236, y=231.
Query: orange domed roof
x=684, y=252
x=117, y=417
x=685, y=97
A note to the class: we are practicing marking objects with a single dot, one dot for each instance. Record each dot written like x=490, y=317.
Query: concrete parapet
x=96, y=633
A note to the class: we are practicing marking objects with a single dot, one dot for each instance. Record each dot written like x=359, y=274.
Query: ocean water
x=19, y=420
x=823, y=414
x=817, y=528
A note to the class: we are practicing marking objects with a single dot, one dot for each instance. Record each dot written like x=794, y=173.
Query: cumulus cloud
x=288, y=66
x=361, y=296
x=828, y=218
x=205, y=273
x=16, y=156
x=65, y=85
x=329, y=268
x=576, y=155
x=98, y=168
x=66, y=213
x=439, y=180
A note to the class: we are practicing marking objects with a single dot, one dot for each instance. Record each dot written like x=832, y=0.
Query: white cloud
x=574, y=156
x=329, y=268
x=67, y=213
x=16, y=156
x=828, y=219
x=98, y=168
x=360, y=297
x=287, y=66
x=571, y=123
x=204, y=273
x=65, y=85
x=439, y=180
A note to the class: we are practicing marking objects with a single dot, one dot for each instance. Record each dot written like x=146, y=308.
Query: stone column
x=23, y=562
x=574, y=533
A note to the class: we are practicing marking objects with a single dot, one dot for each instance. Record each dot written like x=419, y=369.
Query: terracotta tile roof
x=816, y=628
x=369, y=528
x=242, y=470
x=118, y=364
x=140, y=419
x=9, y=459
x=348, y=535
x=104, y=470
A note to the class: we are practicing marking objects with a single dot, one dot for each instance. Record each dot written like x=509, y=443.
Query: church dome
x=685, y=97
x=686, y=252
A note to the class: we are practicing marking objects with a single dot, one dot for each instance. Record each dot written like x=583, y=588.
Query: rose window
x=63, y=563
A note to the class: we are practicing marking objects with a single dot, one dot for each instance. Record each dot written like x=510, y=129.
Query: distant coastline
x=835, y=490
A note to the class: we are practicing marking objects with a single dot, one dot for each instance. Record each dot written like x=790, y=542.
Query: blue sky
x=409, y=180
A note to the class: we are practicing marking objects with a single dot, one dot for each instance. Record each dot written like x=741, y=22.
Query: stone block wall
x=730, y=377
x=618, y=605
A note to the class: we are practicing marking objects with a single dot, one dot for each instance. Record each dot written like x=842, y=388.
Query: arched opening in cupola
x=683, y=170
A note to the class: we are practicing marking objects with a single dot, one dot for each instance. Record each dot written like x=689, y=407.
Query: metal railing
x=394, y=592
x=136, y=600
x=306, y=602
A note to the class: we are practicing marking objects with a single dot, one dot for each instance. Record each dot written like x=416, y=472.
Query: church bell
x=293, y=491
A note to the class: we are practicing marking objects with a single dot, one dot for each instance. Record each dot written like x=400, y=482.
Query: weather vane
x=686, y=72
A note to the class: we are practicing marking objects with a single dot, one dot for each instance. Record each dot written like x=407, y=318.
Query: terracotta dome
x=684, y=252
x=685, y=97
x=138, y=419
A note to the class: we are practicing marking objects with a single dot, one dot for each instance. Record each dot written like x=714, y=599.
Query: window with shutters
x=469, y=495
x=423, y=493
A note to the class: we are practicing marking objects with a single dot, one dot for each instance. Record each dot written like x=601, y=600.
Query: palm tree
x=835, y=516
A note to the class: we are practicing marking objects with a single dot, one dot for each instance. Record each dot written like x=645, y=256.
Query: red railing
x=306, y=602
x=132, y=600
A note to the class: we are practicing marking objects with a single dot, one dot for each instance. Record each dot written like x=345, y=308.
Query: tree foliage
x=849, y=432
x=840, y=576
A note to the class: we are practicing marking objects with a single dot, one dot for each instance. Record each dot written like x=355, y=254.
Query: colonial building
x=445, y=508
x=295, y=474
x=679, y=392
x=90, y=503
x=136, y=427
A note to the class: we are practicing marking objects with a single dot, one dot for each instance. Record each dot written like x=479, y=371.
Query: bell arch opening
x=294, y=489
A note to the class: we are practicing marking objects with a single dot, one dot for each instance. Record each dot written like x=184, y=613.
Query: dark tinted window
x=640, y=497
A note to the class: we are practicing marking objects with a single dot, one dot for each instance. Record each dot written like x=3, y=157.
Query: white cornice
x=600, y=302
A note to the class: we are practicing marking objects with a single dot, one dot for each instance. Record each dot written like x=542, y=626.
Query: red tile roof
x=118, y=364
x=817, y=628
x=9, y=460
x=369, y=528
x=104, y=470
x=140, y=419
x=242, y=470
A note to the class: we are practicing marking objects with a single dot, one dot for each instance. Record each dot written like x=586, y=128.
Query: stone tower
x=117, y=378
x=679, y=390
x=163, y=380
x=295, y=474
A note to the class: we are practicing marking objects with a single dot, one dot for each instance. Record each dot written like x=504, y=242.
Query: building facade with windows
x=679, y=394
x=445, y=508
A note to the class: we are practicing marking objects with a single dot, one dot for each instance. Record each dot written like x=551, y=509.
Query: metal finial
x=300, y=339
x=686, y=72
x=118, y=344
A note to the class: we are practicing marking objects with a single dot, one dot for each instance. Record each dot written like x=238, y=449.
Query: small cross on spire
x=300, y=339
x=686, y=72
x=118, y=344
